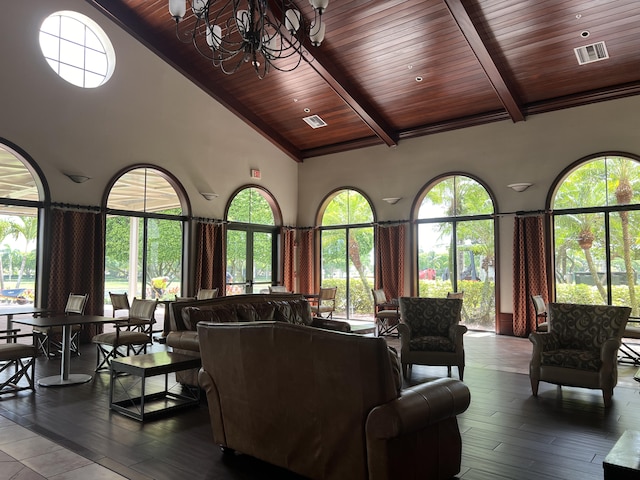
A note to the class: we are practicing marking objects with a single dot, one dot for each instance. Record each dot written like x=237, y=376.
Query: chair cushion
x=125, y=338
x=578, y=359
x=431, y=343
x=13, y=351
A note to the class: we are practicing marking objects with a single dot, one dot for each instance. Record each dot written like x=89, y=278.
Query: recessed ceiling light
x=584, y=33
x=307, y=110
x=418, y=79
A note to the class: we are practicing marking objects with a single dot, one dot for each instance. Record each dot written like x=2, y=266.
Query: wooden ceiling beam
x=344, y=88
x=497, y=79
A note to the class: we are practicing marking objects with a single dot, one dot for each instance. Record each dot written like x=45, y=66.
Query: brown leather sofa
x=285, y=307
x=326, y=405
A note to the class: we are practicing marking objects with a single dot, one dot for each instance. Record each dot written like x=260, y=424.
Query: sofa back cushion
x=295, y=395
x=289, y=308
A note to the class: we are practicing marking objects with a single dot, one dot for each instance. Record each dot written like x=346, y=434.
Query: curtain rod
x=73, y=206
x=522, y=213
x=208, y=220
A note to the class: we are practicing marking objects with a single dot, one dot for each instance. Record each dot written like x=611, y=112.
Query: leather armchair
x=430, y=333
x=580, y=349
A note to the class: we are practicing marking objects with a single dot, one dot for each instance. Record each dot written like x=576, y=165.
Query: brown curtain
x=529, y=272
x=389, y=266
x=210, y=257
x=77, y=263
x=305, y=261
x=289, y=259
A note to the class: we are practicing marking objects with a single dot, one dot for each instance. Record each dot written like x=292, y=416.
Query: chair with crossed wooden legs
x=542, y=324
x=130, y=335
x=119, y=301
x=326, y=302
x=21, y=358
x=387, y=316
x=47, y=338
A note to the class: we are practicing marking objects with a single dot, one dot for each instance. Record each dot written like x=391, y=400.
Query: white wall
x=534, y=151
x=146, y=113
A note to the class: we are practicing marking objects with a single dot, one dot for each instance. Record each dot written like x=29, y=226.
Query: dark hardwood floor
x=506, y=433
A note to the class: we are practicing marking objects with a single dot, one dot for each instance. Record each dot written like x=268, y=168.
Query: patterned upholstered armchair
x=430, y=333
x=580, y=349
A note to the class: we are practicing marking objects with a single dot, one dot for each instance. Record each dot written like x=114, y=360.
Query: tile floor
x=25, y=455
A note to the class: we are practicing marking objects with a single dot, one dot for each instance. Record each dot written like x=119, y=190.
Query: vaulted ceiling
x=392, y=70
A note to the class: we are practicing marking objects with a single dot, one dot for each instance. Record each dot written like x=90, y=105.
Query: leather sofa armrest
x=329, y=324
x=418, y=407
x=184, y=339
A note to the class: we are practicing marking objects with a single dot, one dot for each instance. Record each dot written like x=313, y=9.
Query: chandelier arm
x=261, y=32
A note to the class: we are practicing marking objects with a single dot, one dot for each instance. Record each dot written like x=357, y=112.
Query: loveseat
x=284, y=307
x=325, y=404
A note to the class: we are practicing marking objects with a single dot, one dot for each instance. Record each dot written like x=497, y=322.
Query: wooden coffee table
x=129, y=395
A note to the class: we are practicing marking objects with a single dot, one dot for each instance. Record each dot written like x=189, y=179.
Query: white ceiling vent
x=591, y=53
x=315, y=121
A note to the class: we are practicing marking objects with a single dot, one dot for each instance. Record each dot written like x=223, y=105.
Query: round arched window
x=77, y=49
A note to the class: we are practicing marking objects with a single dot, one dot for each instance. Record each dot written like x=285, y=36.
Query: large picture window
x=144, y=236
x=251, y=241
x=346, y=261
x=20, y=202
x=456, y=246
x=596, y=217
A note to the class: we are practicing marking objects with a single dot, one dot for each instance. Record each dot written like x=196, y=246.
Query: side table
x=623, y=462
x=129, y=395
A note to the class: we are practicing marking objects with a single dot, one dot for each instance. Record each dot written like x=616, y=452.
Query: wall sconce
x=392, y=200
x=519, y=187
x=77, y=178
x=209, y=195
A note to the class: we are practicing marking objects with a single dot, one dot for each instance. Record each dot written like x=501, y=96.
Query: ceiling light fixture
x=519, y=187
x=77, y=178
x=264, y=33
x=209, y=195
x=392, y=200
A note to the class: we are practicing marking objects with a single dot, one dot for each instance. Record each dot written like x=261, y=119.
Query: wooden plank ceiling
x=479, y=61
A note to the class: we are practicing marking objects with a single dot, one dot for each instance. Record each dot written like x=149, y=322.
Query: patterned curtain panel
x=211, y=257
x=77, y=263
x=389, y=269
x=305, y=261
x=289, y=259
x=529, y=272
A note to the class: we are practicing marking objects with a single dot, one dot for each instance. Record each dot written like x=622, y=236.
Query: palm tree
x=583, y=188
x=624, y=195
x=5, y=228
x=28, y=230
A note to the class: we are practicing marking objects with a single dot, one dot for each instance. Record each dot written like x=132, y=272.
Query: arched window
x=346, y=259
x=252, y=235
x=456, y=246
x=146, y=209
x=22, y=195
x=596, y=218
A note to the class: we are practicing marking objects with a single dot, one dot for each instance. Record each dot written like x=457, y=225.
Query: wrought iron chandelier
x=264, y=33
